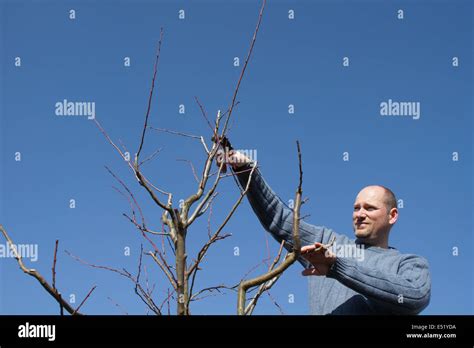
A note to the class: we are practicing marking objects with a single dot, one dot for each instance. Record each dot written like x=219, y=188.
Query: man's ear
x=393, y=216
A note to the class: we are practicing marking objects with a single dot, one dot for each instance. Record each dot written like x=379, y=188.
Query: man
x=379, y=280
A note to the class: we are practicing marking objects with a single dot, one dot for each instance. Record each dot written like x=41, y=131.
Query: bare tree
x=177, y=221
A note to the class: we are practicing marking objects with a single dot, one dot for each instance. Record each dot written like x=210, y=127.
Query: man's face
x=371, y=220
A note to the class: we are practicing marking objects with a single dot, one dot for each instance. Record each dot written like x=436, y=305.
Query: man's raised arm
x=273, y=214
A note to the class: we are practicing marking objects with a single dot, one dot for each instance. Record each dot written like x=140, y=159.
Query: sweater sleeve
x=277, y=218
x=407, y=292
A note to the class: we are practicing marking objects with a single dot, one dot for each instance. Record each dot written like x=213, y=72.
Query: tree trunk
x=181, y=271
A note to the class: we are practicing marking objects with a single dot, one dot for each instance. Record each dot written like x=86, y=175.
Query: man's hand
x=320, y=257
x=231, y=157
x=238, y=160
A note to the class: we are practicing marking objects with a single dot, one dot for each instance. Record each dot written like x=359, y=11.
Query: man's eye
x=356, y=208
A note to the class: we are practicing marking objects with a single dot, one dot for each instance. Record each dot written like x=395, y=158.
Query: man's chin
x=361, y=234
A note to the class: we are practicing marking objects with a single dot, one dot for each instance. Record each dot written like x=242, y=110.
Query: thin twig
x=211, y=289
x=275, y=303
x=167, y=299
x=236, y=91
x=149, y=158
x=85, y=298
x=106, y=135
x=124, y=273
x=53, y=269
x=203, y=112
x=252, y=269
x=130, y=193
x=192, y=136
x=155, y=69
x=143, y=229
x=192, y=168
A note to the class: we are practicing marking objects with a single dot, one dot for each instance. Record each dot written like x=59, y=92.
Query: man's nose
x=361, y=213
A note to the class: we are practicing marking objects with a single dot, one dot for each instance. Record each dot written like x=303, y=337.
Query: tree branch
x=265, y=286
x=236, y=91
x=194, y=268
x=85, y=298
x=291, y=257
x=155, y=69
x=166, y=269
x=192, y=168
x=124, y=273
x=35, y=274
x=53, y=269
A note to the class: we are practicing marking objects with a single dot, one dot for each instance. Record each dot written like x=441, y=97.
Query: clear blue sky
x=337, y=109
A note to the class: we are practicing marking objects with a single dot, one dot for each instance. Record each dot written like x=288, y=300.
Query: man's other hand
x=320, y=258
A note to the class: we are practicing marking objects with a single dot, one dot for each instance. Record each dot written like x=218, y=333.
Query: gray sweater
x=383, y=281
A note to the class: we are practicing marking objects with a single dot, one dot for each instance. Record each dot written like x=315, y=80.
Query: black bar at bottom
x=313, y=330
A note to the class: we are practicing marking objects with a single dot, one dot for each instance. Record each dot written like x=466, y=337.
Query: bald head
x=387, y=195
